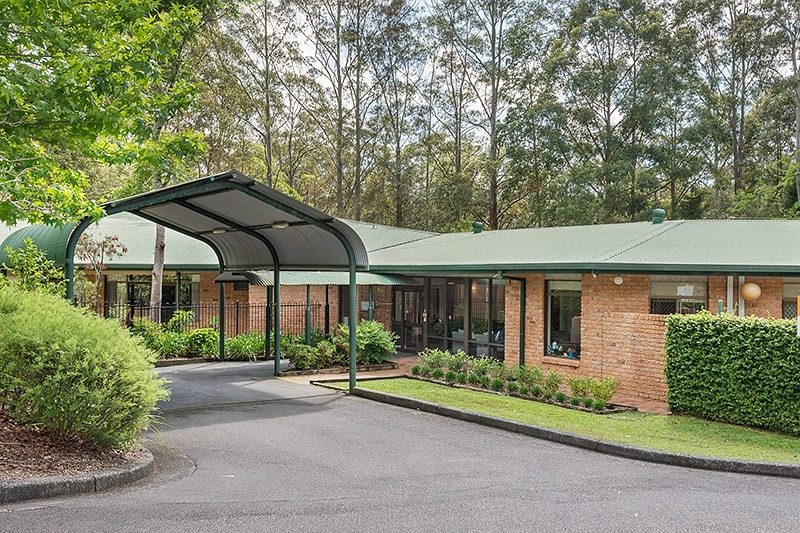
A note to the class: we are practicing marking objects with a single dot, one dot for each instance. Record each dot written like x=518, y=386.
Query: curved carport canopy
x=250, y=227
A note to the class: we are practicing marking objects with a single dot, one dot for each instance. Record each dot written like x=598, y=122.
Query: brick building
x=583, y=300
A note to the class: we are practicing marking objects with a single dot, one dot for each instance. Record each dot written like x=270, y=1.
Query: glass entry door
x=407, y=318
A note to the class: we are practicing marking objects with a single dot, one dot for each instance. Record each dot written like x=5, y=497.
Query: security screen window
x=678, y=294
x=791, y=290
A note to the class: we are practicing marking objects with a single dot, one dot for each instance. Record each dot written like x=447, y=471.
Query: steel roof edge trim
x=596, y=268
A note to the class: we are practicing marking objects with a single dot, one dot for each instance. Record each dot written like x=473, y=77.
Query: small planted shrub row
x=736, y=370
x=174, y=340
x=374, y=345
x=527, y=381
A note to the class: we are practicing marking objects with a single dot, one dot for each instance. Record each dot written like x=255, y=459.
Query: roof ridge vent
x=657, y=216
x=477, y=227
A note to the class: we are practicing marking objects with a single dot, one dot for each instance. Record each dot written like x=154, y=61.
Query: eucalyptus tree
x=397, y=61
x=605, y=61
x=478, y=32
x=784, y=24
x=734, y=59
x=532, y=129
x=337, y=44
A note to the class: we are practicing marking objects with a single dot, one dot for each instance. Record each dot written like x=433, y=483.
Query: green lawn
x=662, y=432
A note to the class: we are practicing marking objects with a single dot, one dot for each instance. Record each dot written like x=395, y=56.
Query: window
x=791, y=290
x=467, y=314
x=678, y=294
x=564, y=318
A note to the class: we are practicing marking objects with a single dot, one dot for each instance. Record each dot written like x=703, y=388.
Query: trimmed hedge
x=743, y=371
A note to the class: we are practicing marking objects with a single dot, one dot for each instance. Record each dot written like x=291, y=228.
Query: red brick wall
x=619, y=337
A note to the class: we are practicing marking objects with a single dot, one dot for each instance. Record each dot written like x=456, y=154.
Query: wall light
x=750, y=291
x=618, y=280
x=218, y=231
x=281, y=224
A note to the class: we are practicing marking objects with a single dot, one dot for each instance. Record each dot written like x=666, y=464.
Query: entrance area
x=407, y=318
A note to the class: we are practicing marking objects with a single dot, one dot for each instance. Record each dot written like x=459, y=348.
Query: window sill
x=561, y=361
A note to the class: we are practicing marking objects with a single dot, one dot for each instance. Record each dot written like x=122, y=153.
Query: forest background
x=428, y=115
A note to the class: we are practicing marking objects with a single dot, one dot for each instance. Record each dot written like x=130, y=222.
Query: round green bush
x=512, y=386
x=415, y=370
x=450, y=376
x=461, y=378
x=437, y=373
x=72, y=373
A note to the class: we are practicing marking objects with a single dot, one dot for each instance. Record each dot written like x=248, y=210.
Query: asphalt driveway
x=238, y=450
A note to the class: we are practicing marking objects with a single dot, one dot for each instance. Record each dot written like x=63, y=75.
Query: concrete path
x=241, y=451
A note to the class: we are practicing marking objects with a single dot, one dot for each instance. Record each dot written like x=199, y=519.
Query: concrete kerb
x=18, y=490
x=621, y=450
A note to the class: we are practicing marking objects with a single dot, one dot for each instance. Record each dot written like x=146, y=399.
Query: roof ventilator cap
x=658, y=216
x=477, y=227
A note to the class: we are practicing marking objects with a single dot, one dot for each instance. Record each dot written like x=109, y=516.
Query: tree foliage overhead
x=76, y=77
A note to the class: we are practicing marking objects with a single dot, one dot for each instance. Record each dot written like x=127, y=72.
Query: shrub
x=461, y=378
x=450, y=376
x=180, y=321
x=561, y=397
x=484, y=380
x=415, y=370
x=529, y=375
x=437, y=373
x=599, y=405
x=488, y=366
x=149, y=332
x=326, y=353
x=473, y=379
x=548, y=394
x=455, y=361
x=373, y=341
x=552, y=382
x=575, y=400
x=172, y=344
x=72, y=373
x=433, y=357
x=512, y=386
x=604, y=389
x=524, y=390
x=497, y=384
x=246, y=347
x=302, y=356
x=588, y=402
x=536, y=390
x=579, y=386
x=203, y=342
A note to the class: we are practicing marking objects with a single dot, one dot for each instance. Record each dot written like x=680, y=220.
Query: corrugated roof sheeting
x=718, y=246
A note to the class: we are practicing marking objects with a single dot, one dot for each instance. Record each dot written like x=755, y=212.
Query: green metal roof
x=377, y=237
x=50, y=239
x=182, y=253
x=687, y=246
x=266, y=278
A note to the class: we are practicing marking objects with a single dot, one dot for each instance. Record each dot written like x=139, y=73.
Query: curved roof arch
x=249, y=225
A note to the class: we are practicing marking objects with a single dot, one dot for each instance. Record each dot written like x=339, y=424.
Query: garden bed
x=608, y=409
x=388, y=365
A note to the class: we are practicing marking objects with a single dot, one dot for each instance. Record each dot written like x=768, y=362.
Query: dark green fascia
x=590, y=268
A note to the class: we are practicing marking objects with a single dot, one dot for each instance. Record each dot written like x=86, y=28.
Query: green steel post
x=353, y=319
x=277, y=289
x=69, y=258
x=308, y=315
x=268, y=325
x=221, y=319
